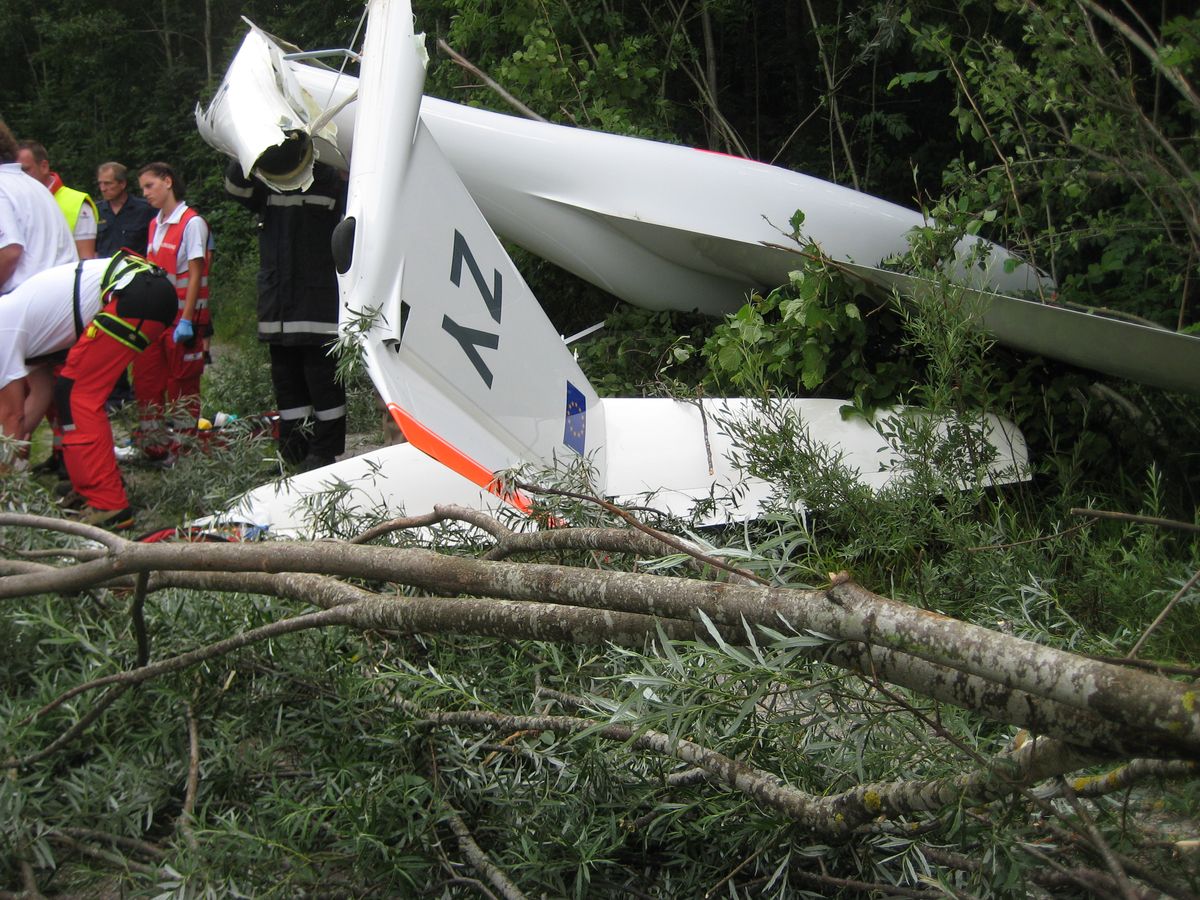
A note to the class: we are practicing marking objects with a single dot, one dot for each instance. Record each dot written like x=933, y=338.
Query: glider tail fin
x=456, y=343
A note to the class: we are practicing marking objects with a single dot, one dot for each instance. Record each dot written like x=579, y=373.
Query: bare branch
x=440, y=513
x=23, y=567
x=66, y=526
x=1083, y=729
x=1166, y=611
x=1145, y=873
x=432, y=615
x=1098, y=843
x=477, y=858
x=84, y=723
x=602, y=540
x=1053, y=876
x=830, y=84
x=822, y=882
x=987, y=130
x=583, y=39
x=702, y=78
x=193, y=780
x=1159, y=668
x=106, y=856
x=137, y=613
x=125, y=680
x=90, y=834
x=490, y=82
x=29, y=880
x=1126, y=776
x=669, y=540
x=717, y=888
x=1131, y=517
x=1169, y=72
x=510, y=543
x=527, y=620
x=834, y=814
x=1071, y=680
x=686, y=778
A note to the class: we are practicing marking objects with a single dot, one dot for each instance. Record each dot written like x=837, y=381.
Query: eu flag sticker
x=575, y=430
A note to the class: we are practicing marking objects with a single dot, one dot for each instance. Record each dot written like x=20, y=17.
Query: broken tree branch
x=832, y=814
x=477, y=858
x=494, y=85
x=1145, y=708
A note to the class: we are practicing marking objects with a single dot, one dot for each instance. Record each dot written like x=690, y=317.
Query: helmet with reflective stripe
x=121, y=270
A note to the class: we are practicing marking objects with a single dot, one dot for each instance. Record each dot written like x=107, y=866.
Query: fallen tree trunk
x=1093, y=705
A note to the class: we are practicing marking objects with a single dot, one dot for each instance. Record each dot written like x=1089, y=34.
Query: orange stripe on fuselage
x=449, y=455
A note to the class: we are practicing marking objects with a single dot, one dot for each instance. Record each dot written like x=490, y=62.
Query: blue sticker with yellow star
x=575, y=429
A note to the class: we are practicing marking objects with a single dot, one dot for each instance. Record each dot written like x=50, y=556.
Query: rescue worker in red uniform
x=169, y=371
x=141, y=305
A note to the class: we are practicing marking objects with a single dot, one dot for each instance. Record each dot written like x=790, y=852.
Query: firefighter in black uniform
x=298, y=309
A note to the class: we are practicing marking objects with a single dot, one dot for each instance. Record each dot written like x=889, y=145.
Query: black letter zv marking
x=491, y=298
x=469, y=339
x=472, y=338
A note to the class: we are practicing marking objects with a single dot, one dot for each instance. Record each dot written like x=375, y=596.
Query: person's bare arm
x=86, y=248
x=9, y=257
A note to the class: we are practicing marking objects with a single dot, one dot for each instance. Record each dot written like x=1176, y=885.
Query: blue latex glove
x=184, y=331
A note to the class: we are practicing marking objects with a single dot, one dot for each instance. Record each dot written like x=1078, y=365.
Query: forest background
x=1065, y=130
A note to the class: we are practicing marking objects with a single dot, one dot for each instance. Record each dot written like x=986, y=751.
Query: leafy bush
x=816, y=336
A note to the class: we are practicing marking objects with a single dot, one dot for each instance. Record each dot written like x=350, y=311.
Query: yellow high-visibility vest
x=70, y=201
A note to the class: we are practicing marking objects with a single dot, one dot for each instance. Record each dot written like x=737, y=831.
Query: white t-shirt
x=195, y=237
x=30, y=217
x=38, y=317
x=85, y=223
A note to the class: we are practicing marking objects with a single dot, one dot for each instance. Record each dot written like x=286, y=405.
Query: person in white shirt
x=39, y=322
x=33, y=233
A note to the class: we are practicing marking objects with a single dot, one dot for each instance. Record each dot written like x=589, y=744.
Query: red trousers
x=92, y=368
x=166, y=373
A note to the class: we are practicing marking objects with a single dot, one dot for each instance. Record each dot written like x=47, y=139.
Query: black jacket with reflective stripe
x=297, y=281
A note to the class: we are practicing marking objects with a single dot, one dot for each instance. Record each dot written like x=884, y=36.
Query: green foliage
x=587, y=65
x=646, y=70
x=234, y=300
x=927, y=532
x=238, y=381
x=943, y=531
x=1085, y=150
x=317, y=775
x=817, y=336
x=212, y=469
x=644, y=353
x=354, y=327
